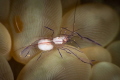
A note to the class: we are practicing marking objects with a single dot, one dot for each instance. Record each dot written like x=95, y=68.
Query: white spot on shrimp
x=45, y=45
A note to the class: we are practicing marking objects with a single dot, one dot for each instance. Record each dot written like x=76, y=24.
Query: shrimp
x=48, y=44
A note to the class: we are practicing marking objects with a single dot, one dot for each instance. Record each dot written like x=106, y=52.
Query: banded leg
x=83, y=37
x=88, y=39
x=40, y=56
x=88, y=62
x=60, y=53
x=51, y=30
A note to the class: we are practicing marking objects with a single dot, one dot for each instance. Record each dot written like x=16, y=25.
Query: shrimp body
x=60, y=40
x=45, y=44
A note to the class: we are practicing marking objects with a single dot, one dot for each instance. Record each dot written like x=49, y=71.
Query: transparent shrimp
x=59, y=43
x=65, y=38
x=47, y=44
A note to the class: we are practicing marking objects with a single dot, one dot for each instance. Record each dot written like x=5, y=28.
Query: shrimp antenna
x=83, y=37
x=51, y=30
x=75, y=14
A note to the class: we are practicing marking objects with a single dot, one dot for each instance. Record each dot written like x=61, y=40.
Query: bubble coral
x=5, y=42
x=27, y=19
x=52, y=67
x=97, y=53
x=114, y=49
x=34, y=16
x=105, y=71
x=5, y=70
x=95, y=21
